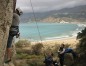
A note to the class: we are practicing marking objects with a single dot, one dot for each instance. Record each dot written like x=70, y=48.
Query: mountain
x=76, y=13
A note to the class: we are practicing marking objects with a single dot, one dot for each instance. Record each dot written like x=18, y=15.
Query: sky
x=48, y=5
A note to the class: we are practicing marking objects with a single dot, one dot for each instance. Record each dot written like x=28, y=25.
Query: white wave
x=74, y=33
x=77, y=29
x=60, y=37
x=81, y=25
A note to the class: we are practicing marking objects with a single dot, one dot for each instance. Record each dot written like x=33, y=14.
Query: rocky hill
x=74, y=14
x=58, y=20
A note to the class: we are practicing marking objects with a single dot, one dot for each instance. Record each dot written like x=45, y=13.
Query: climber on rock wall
x=14, y=31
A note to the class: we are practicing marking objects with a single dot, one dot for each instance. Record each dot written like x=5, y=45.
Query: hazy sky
x=47, y=5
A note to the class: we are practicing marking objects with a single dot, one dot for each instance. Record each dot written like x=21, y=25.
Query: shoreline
x=72, y=41
x=61, y=40
x=76, y=22
x=54, y=39
x=46, y=40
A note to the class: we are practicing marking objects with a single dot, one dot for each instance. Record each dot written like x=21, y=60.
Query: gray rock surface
x=6, y=13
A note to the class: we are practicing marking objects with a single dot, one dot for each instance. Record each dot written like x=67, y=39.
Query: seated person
x=49, y=59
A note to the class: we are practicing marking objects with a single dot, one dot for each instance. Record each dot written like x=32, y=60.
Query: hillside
x=74, y=14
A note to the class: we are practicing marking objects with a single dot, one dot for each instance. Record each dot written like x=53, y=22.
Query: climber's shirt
x=16, y=20
x=15, y=25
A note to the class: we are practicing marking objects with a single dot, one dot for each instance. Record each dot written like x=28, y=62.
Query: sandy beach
x=71, y=41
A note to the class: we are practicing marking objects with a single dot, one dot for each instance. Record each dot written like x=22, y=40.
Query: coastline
x=72, y=41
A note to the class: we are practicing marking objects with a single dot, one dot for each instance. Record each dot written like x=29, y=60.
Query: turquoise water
x=48, y=30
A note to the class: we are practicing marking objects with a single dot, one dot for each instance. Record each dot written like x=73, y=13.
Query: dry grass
x=27, y=52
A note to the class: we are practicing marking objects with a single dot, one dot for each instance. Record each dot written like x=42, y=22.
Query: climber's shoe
x=8, y=61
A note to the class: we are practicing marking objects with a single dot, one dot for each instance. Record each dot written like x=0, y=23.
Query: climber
x=62, y=51
x=14, y=31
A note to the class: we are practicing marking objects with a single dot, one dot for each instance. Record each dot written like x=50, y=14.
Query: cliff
x=6, y=13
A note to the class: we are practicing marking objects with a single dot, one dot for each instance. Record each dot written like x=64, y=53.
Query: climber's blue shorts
x=9, y=42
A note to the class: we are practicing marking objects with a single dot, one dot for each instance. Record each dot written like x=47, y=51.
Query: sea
x=48, y=31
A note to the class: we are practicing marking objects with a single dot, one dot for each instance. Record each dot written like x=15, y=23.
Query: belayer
x=62, y=51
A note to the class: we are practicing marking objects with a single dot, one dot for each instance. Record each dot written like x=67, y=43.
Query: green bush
x=35, y=62
x=21, y=50
x=23, y=43
x=68, y=59
x=27, y=56
x=37, y=48
x=21, y=56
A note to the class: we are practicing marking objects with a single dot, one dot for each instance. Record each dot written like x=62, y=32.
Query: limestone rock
x=6, y=14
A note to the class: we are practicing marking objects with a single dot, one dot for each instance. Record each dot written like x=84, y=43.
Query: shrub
x=56, y=47
x=37, y=48
x=35, y=62
x=20, y=50
x=23, y=43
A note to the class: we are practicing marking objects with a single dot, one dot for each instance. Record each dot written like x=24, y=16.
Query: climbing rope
x=35, y=20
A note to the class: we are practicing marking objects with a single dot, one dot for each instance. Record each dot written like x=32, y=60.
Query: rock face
x=6, y=13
